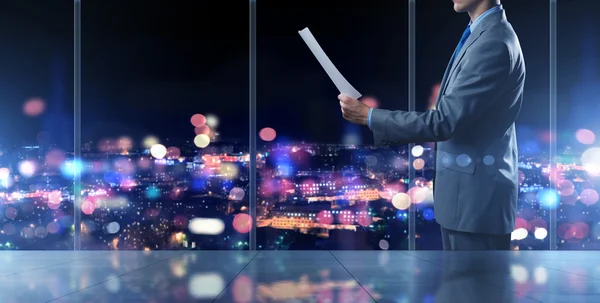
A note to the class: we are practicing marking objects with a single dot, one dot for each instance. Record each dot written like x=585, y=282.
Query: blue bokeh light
x=548, y=198
x=428, y=214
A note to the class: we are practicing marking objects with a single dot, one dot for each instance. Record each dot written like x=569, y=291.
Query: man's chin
x=459, y=8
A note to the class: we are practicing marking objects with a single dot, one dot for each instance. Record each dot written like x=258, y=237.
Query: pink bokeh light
x=173, y=152
x=88, y=207
x=324, y=217
x=267, y=134
x=370, y=102
x=198, y=120
x=34, y=107
x=242, y=223
x=202, y=130
x=585, y=136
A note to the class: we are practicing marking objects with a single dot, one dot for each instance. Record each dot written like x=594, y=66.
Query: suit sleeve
x=477, y=88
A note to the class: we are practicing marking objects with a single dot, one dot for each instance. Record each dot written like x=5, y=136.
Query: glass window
x=321, y=182
x=36, y=125
x=434, y=48
x=164, y=125
x=577, y=175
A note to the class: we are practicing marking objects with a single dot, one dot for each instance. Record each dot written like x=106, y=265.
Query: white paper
x=340, y=82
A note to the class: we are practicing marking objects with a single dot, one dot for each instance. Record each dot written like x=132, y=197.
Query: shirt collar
x=487, y=13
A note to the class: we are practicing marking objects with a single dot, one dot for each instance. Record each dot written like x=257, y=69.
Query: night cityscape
x=310, y=196
x=125, y=154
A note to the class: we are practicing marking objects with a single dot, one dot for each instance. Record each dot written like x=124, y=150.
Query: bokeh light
x=202, y=141
x=237, y=194
x=401, y=201
x=417, y=151
x=212, y=121
x=519, y=234
x=198, y=120
x=540, y=233
x=590, y=159
x=418, y=164
x=202, y=130
x=585, y=136
x=34, y=107
x=589, y=196
x=4, y=174
x=267, y=134
x=173, y=152
x=242, y=223
x=124, y=143
x=548, y=198
x=384, y=245
x=112, y=227
x=324, y=217
x=370, y=102
x=565, y=188
x=158, y=151
x=149, y=141
x=206, y=226
x=27, y=168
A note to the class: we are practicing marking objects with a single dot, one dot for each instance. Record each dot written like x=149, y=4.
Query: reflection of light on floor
x=303, y=289
x=205, y=286
x=113, y=284
x=540, y=275
x=519, y=273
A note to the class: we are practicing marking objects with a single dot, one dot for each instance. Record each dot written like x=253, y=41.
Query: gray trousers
x=457, y=240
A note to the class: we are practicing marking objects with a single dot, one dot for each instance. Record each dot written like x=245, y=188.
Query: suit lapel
x=488, y=21
x=468, y=44
x=445, y=78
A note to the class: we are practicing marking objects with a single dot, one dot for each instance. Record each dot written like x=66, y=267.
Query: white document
x=340, y=82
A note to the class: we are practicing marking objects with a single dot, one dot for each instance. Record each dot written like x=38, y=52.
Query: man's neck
x=483, y=7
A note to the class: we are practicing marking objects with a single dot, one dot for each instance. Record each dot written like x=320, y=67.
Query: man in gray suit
x=476, y=180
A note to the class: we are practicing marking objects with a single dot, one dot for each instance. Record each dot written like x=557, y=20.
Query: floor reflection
x=299, y=276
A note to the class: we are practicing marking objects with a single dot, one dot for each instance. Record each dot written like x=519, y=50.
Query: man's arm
x=477, y=88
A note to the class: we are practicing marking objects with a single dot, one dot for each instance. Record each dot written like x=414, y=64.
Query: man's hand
x=354, y=110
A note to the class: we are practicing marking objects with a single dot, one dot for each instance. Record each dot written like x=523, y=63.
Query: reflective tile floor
x=299, y=276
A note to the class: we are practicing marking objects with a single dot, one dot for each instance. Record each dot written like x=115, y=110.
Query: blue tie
x=463, y=39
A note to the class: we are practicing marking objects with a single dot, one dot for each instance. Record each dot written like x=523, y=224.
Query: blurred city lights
x=401, y=201
x=206, y=226
x=540, y=233
x=589, y=196
x=519, y=234
x=202, y=141
x=267, y=134
x=27, y=169
x=149, y=141
x=4, y=174
x=34, y=107
x=548, y=198
x=590, y=159
x=158, y=151
x=417, y=151
x=202, y=130
x=585, y=136
x=198, y=120
x=212, y=121
x=370, y=102
x=70, y=168
x=242, y=223
x=383, y=244
x=418, y=164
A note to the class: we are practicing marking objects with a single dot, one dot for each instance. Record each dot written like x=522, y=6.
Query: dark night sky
x=149, y=65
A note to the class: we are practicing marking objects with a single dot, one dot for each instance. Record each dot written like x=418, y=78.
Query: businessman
x=473, y=123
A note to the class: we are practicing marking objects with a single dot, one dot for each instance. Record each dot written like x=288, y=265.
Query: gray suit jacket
x=476, y=180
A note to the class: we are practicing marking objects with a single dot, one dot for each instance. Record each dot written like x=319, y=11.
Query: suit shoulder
x=504, y=32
